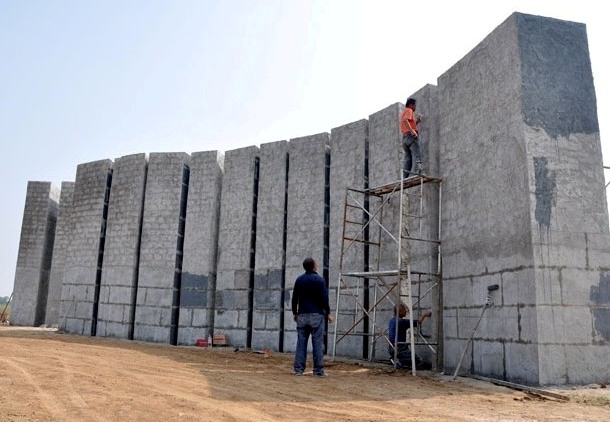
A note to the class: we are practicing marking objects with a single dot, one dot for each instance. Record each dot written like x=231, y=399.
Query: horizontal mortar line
x=498, y=340
x=478, y=307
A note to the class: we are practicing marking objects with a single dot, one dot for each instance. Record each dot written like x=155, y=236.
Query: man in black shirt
x=310, y=308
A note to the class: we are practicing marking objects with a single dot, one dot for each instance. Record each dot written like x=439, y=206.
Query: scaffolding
x=390, y=254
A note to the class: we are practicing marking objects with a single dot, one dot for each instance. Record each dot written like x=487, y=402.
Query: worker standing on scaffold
x=410, y=138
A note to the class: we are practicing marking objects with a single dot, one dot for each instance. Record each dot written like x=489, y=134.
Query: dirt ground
x=49, y=376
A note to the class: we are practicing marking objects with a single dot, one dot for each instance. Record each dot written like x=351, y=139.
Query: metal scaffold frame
x=390, y=248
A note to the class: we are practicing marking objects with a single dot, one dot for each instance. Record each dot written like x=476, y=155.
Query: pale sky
x=87, y=80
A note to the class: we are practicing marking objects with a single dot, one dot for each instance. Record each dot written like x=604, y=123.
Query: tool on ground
x=488, y=304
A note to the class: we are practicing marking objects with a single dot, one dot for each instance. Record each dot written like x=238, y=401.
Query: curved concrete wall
x=176, y=247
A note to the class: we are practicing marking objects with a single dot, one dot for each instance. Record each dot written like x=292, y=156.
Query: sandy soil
x=49, y=376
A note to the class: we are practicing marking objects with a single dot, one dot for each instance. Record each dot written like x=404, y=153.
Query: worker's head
x=411, y=102
x=309, y=265
x=400, y=310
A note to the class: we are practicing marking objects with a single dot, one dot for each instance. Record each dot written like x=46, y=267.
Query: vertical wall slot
x=100, y=254
x=284, y=243
x=365, y=218
x=173, y=336
x=252, y=253
x=136, y=275
x=326, y=257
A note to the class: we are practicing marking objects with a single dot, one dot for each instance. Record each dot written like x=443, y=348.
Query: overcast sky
x=87, y=80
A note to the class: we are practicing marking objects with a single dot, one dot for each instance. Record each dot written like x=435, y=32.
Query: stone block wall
x=179, y=247
x=235, y=278
x=161, y=246
x=348, y=147
x=35, y=254
x=525, y=144
x=307, y=222
x=119, y=280
x=270, y=259
x=84, y=252
x=60, y=245
x=198, y=286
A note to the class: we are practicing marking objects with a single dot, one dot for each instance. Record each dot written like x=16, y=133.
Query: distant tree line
x=3, y=300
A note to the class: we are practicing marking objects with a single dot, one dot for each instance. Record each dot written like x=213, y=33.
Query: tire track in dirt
x=50, y=403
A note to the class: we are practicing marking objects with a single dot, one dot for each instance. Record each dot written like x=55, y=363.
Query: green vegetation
x=5, y=311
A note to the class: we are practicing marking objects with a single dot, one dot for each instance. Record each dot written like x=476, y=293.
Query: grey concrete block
x=264, y=339
x=488, y=358
x=521, y=363
x=587, y=364
x=265, y=300
x=548, y=286
x=450, y=327
x=564, y=324
x=225, y=319
x=151, y=333
x=566, y=249
x=553, y=364
x=598, y=248
x=500, y=322
x=193, y=298
x=161, y=297
x=528, y=324
x=576, y=285
x=518, y=287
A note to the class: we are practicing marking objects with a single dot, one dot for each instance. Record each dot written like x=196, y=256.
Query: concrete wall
x=512, y=130
x=531, y=128
x=307, y=216
x=122, y=248
x=84, y=252
x=270, y=260
x=348, y=146
x=35, y=254
x=235, y=277
x=565, y=178
x=159, y=273
x=198, y=284
x=60, y=245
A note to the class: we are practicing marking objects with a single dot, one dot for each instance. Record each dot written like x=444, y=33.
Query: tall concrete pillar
x=269, y=272
x=198, y=287
x=161, y=248
x=62, y=240
x=307, y=225
x=122, y=248
x=235, y=277
x=84, y=253
x=35, y=254
x=349, y=148
x=523, y=207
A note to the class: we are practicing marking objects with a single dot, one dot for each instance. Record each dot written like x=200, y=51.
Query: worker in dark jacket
x=310, y=308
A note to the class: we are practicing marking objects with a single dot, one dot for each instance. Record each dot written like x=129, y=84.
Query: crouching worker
x=403, y=355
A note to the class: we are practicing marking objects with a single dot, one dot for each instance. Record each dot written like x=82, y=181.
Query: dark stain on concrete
x=193, y=290
x=545, y=191
x=558, y=90
x=600, y=295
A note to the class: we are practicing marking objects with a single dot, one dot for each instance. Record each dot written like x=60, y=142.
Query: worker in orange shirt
x=410, y=138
